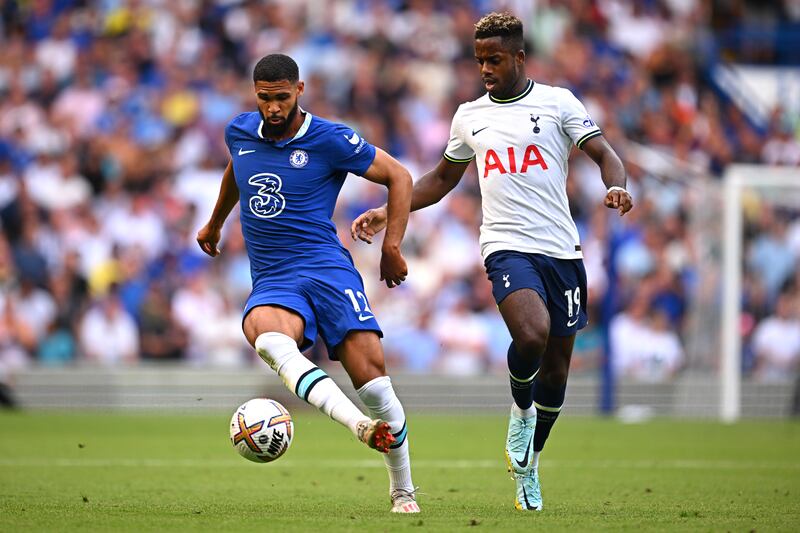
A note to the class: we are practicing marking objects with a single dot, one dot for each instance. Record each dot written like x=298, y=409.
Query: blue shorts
x=560, y=282
x=331, y=301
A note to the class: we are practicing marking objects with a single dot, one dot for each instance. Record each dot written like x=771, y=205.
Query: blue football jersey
x=288, y=190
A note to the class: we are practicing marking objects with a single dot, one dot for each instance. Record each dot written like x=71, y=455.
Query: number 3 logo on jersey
x=268, y=202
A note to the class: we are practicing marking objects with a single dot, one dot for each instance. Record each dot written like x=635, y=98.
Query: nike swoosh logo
x=571, y=323
x=352, y=140
x=524, y=462
x=245, y=152
x=475, y=132
x=525, y=497
x=362, y=318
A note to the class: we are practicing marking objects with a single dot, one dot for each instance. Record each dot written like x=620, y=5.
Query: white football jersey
x=521, y=146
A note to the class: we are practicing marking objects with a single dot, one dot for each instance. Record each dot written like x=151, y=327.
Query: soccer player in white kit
x=520, y=134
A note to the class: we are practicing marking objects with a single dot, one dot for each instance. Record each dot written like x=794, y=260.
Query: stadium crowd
x=111, y=152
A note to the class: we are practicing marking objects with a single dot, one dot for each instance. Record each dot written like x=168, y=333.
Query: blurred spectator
x=782, y=146
x=17, y=339
x=137, y=224
x=770, y=255
x=34, y=307
x=28, y=255
x=463, y=340
x=59, y=185
x=410, y=344
x=162, y=338
x=643, y=345
x=56, y=52
x=80, y=105
x=776, y=342
x=108, y=334
x=218, y=339
x=58, y=346
x=193, y=306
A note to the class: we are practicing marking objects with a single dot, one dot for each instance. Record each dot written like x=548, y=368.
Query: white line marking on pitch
x=677, y=464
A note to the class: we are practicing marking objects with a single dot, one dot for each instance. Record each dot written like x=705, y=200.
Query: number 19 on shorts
x=573, y=305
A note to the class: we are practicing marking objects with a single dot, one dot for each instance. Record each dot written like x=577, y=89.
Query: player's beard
x=276, y=130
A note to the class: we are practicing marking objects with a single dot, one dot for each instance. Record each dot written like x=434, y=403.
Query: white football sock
x=379, y=397
x=530, y=412
x=307, y=380
x=536, y=460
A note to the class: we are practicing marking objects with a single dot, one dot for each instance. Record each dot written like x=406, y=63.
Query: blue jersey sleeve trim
x=349, y=151
x=362, y=171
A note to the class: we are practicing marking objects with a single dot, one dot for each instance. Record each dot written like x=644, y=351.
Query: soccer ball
x=261, y=430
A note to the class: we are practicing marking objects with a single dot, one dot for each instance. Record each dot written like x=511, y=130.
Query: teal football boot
x=519, y=456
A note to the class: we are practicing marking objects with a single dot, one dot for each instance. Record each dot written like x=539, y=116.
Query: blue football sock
x=521, y=372
x=548, y=403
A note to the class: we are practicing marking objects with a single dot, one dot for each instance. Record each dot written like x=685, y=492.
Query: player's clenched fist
x=620, y=199
x=368, y=224
x=393, y=266
x=208, y=238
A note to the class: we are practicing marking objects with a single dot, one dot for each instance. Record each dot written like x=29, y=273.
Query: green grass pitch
x=64, y=471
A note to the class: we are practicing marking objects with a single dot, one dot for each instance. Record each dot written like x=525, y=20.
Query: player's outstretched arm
x=428, y=190
x=612, y=172
x=209, y=235
x=386, y=170
x=434, y=185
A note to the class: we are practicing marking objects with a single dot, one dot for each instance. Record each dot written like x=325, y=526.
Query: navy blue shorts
x=560, y=282
x=331, y=301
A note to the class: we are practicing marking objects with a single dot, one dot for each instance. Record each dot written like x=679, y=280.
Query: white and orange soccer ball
x=261, y=430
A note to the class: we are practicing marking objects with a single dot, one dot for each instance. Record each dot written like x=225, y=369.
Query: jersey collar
x=302, y=131
x=517, y=98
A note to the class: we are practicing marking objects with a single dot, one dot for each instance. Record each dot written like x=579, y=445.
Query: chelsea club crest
x=298, y=158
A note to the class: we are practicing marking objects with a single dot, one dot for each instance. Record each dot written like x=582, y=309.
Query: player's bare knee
x=366, y=373
x=361, y=356
x=532, y=342
x=272, y=347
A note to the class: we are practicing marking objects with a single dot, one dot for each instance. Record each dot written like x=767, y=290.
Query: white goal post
x=737, y=179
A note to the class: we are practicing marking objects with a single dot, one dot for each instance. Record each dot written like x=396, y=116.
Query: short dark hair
x=503, y=25
x=276, y=67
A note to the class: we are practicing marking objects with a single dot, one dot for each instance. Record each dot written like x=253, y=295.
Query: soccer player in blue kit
x=286, y=170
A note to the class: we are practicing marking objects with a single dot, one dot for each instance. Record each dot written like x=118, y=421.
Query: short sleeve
x=575, y=120
x=457, y=150
x=233, y=129
x=349, y=152
x=228, y=136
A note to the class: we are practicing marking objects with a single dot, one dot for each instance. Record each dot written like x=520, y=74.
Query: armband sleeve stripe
x=588, y=136
x=454, y=160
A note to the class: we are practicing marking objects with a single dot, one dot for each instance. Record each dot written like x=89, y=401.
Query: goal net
x=741, y=294
x=760, y=329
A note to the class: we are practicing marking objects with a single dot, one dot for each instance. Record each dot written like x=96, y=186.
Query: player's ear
x=301, y=86
x=520, y=57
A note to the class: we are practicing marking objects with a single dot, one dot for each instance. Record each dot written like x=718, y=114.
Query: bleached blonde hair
x=503, y=25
